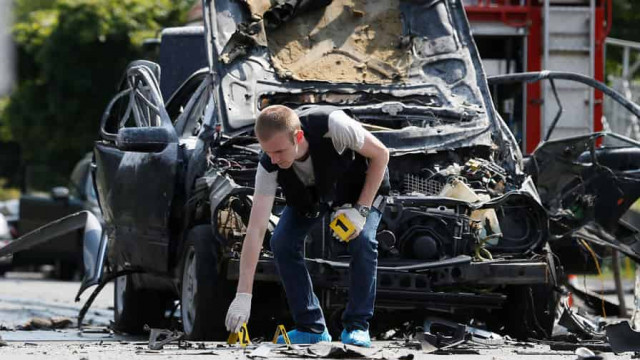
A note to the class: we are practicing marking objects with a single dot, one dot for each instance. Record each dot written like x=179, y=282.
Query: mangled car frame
x=466, y=230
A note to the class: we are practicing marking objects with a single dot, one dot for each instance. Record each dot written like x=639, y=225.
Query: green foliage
x=625, y=25
x=626, y=17
x=23, y=8
x=8, y=193
x=4, y=130
x=72, y=54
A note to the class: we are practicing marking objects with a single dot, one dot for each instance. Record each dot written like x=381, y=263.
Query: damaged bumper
x=424, y=285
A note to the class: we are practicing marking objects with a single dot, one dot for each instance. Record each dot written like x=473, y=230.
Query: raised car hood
x=416, y=53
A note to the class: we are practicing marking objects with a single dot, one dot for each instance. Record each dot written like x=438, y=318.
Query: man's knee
x=364, y=245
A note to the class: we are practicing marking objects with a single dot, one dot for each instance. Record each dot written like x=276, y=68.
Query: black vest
x=339, y=178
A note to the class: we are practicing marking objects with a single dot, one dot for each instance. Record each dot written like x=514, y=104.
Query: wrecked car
x=466, y=229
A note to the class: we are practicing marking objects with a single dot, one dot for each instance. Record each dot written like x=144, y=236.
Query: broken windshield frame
x=531, y=77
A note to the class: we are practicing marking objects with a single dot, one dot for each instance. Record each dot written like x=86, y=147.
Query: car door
x=136, y=166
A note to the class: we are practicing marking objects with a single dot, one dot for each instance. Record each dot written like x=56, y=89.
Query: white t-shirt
x=344, y=132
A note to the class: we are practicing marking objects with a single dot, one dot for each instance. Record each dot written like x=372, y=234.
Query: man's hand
x=239, y=312
x=354, y=217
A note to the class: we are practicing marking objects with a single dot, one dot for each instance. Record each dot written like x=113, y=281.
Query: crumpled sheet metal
x=158, y=338
x=343, y=351
x=579, y=325
x=622, y=338
x=447, y=335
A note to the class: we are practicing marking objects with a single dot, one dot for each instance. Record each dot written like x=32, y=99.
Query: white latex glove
x=354, y=216
x=238, y=312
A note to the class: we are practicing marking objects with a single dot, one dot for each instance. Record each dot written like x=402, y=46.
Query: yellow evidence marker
x=242, y=335
x=342, y=227
x=281, y=331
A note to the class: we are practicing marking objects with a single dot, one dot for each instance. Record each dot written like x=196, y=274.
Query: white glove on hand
x=354, y=217
x=239, y=312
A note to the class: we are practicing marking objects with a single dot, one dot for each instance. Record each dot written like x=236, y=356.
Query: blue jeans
x=287, y=244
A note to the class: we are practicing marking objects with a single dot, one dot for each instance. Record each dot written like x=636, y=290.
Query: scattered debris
x=579, y=324
x=339, y=351
x=38, y=323
x=599, y=346
x=484, y=337
x=440, y=335
x=586, y=354
x=263, y=351
x=158, y=338
x=622, y=338
x=95, y=330
x=170, y=353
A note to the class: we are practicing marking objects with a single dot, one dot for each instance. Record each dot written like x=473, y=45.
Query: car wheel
x=204, y=295
x=133, y=308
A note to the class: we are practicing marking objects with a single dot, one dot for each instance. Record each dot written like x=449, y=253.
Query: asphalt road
x=24, y=296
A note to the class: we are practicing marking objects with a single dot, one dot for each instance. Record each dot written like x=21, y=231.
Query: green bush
x=71, y=56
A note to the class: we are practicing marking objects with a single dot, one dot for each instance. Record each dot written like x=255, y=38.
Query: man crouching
x=324, y=161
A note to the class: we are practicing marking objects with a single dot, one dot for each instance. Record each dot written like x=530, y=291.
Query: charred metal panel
x=580, y=182
x=136, y=191
x=443, y=59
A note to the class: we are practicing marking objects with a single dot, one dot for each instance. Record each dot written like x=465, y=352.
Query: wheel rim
x=120, y=285
x=189, y=291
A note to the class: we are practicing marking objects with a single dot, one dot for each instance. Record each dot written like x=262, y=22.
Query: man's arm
x=258, y=222
x=240, y=308
x=378, y=156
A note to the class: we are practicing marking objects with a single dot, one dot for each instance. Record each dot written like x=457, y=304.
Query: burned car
x=466, y=230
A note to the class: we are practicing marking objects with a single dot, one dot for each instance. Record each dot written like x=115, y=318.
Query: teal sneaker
x=303, y=337
x=356, y=337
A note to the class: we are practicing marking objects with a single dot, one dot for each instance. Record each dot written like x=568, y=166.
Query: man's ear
x=299, y=136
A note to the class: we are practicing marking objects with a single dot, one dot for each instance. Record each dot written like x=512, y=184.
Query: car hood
x=417, y=54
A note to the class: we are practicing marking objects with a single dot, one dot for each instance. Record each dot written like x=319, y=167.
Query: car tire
x=204, y=295
x=134, y=308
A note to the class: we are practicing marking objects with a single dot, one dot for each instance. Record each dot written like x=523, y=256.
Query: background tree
x=71, y=55
x=625, y=25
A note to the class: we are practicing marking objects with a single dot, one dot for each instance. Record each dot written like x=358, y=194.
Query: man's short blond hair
x=274, y=119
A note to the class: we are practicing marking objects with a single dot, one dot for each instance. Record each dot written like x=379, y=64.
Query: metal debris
x=580, y=325
x=440, y=335
x=484, y=337
x=599, y=346
x=586, y=354
x=158, y=338
x=622, y=338
x=263, y=351
x=342, y=351
x=38, y=323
